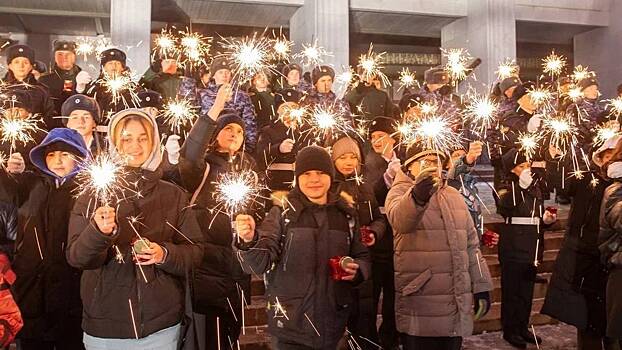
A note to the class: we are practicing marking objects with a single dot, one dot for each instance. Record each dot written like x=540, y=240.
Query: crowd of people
x=345, y=223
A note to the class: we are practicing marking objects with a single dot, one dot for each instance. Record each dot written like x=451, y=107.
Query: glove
x=393, y=167
x=534, y=123
x=172, y=149
x=286, y=146
x=426, y=184
x=481, y=304
x=82, y=79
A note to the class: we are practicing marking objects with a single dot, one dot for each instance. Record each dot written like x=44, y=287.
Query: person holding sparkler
x=166, y=81
x=312, y=255
x=368, y=100
x=521, y=204
x=47, y=288
x=237, y=99
x=82, y=114
x=381, y=166
x=213, y=149
x=134, y=248
x=437, y=91
x=504, y=93
x=434, y=239
x=349, y=183
x=577, y=292
x=61, y=81
x=263, y=99
x=279, y=143
x=587, y=113
x=113, y=89
x=20, y=60
x=322, y=91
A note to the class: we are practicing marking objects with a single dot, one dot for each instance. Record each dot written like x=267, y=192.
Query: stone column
x=599, y=48
x=130, y=29
x=328, y=22
x=488, y=32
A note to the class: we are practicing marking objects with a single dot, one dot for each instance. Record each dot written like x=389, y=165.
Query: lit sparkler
x=235, y=191
x=248, y=55
x=529, y=144
x=604, y=133
x=370, y=65
x=407, y=78
x=575, y=93
x=312, y=55
x=16, y=129
x=581, y=73
x=506, y=69
x=84, y=48
x=120, y=87
x=457, y=63
x=554, y=64
x=166, y=44
x=326, y=121
x=561, y=130
x=194, y=49
x=540, y=96
x=615, y=106
x=179, y=114
x=281, y=48
x=480, y=111
x=436, y=133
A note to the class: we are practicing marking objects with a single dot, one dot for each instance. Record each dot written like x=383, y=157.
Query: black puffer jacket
x=8, y=228
x=369, y=102
x=108, y=283
x=61, y=84
x=610, y=240
x=219, y=275
x=576, y=293
x=293, y=249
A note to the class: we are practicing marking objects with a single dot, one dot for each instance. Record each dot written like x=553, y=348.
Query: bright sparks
x=615, y=106
x=506, y=69
x=457, y=63
x=84, y=48
x=165, y=45
x=312, y=55
x=179, y=115
x=553, y=64
x=480, y=111
x=370, y=65
x=436, y=133
x=529, y=144
x=581, y=73
x=103, y=180
x=407, y=78
x=194, y=49
x=248, y=55
x=15, y=129
x=235, y=191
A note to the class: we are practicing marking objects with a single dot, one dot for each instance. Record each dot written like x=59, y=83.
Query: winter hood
x=67, y=136
x=155, y=156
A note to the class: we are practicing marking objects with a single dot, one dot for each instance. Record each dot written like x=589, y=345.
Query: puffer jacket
x=110, y=278
x=240, y=102
x=306, y=306
x=219, y=278
x=438, y=264
x=610, y=240
x=370, y=102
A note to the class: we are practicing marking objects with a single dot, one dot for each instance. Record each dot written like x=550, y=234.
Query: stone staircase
x=256, y=336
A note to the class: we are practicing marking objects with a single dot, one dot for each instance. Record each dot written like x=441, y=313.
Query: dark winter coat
x=240, y=102
x=369, y=102
x=293, y=249
x=587, y=114
x=40, y=102
x=8, y=228
x=47, y=288
x=164, y=83
x=314, y=98
x=219, y=274
x=610, y=240
x=61, y=84
x=263, y=102
x=108, y=103
x=576, y=292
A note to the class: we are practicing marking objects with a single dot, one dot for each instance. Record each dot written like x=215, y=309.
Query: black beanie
x=286, y=95
x=321, y=71
x=511, y=159
x=385, y=124
x=16, y=51
x=587, y=82
x=522, y=90
x=508, y=83
x=416, y=151
x=81, y=102
x=150, y=98
x=314, y=158
x=64, y=45
x=226, y=117
x=409, y=101
x=112, y=55
x=290, y=67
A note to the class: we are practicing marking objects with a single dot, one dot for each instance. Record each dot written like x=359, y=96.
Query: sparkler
x=604, y=133
x=312, y=54
x=615, y=106
x=407, y=78
x=102, y=44
x=506, y=69
x=102, y=179
x=179, y=114
x=435, y=133
x=371, y=66
x=540, y=96
x=575, y=93
x=120, y=87
x=235, y=191
x=165, y=45
x=84, y=47
x=327, y=120
x=457, y=63
x=15, y=129
x=194, y=49
x=281, y=48
x=561, y=130
x=248, y=55
x=529, y=144
x=553, y=64
x=481, y=112
x=581, y=73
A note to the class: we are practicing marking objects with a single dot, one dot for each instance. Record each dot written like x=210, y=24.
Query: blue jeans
x=165, y=339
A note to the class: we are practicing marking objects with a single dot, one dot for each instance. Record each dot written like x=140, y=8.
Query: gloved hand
x=393, y=167
x=82, y=79
x=15, y=164
x=534, y=123
x=481, y=304
x=172, y=149
x=286, y=146
x=426, y=184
